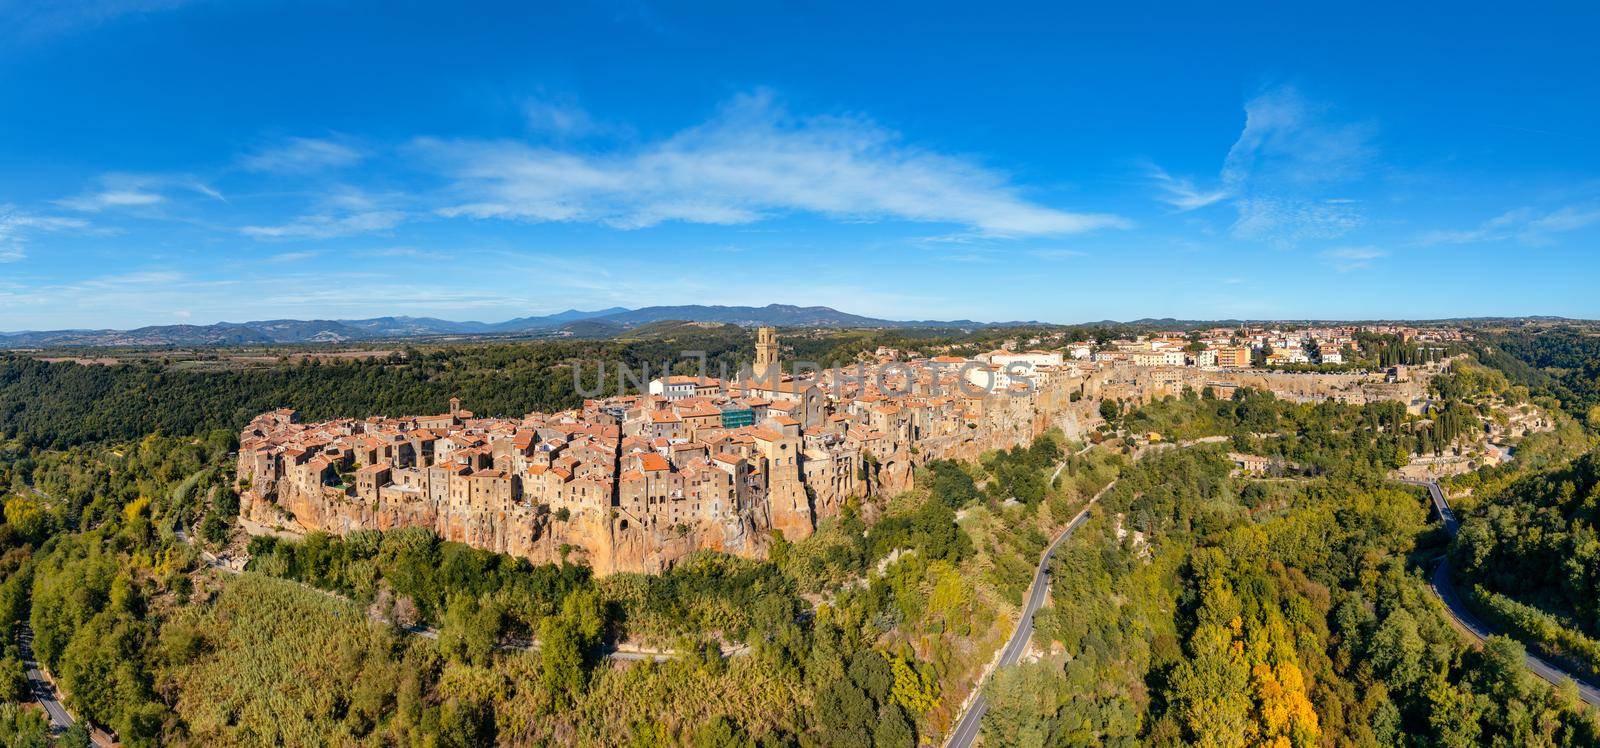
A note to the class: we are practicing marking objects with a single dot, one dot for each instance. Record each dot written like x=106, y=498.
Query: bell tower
x=766, y=352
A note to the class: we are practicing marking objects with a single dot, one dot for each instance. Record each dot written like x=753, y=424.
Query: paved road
x=967, y=729
x=1443, y=585
x=39, y=686
x=1440, y=505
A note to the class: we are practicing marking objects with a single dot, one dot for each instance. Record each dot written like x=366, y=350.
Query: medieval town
x=637, y=482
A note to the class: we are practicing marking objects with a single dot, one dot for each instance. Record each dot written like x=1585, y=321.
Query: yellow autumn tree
x=1283, y=715
x=917, y=692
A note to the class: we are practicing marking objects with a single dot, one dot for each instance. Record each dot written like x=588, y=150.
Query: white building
x=1165, y=357
x=674, y=387
x=1028, y=359
x=988, y=378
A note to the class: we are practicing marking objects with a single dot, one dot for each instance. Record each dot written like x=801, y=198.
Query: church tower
x=766, y=352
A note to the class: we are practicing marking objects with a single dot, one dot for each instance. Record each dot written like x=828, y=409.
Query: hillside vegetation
x=1185, y=614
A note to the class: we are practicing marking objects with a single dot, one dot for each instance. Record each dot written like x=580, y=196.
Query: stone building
x=637, y=482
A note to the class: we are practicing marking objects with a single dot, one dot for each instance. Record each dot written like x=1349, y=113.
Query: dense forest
x=1197, y=608
x=1530, y=550
x=1560, y=362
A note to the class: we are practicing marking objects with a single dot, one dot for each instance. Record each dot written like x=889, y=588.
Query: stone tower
x=766, y=352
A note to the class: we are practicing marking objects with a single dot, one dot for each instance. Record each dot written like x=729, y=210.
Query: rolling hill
x=572, y=322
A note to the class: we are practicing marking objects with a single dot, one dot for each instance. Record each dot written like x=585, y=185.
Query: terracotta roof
x=765, y=434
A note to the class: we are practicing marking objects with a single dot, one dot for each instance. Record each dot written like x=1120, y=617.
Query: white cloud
x=750, y=162
x=346, y=212
x=134, y=278
x=1181, y=193
x=302, y=155
x=327, y=226
x=133, y=191
x=1290, y=221
x=1288, y=140
x=1570, y=218
x=1057, y=254
x=1289, y=154
x=1346, y=259
x=1525, y=225
x=17, y=226
x=560, y=118
x=292, y=256
x=94, y=202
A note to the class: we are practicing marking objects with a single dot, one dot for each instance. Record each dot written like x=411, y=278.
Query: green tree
x=1109, y=410
x=721, y=732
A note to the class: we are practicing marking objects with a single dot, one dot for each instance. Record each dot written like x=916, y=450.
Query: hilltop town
x=636, y=482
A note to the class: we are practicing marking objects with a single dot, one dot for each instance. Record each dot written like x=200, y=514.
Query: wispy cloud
x=1278, y=173
x=1057, y=254
x=302, y=155
x=1288, y=221
x=1289, y=140
x=17, y=226
x=327, y=226
x=559, y=116
x=1180, y=192
x=134, y=191
x=94, y=202
x=133, y=278
x=293, y=256
x=347, y=212
x=1346, y=259
x=752, y=161
x=1525, y=225
x=27, y=19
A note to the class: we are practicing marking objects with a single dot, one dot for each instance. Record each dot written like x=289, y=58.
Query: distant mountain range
x=573, y=322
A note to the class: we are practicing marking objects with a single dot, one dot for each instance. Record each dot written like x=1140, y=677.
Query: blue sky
x=165, y=162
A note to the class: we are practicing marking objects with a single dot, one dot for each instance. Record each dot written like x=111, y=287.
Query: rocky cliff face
x=604, y=539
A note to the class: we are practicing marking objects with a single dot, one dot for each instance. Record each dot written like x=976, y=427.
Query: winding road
x=967, y=729
x=43, y=690
x=973, y=718
x=1444, y=586
x=40, y=686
